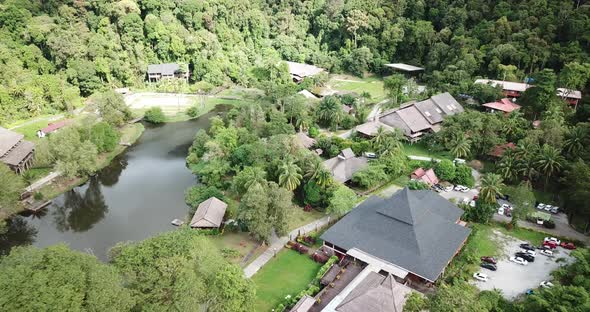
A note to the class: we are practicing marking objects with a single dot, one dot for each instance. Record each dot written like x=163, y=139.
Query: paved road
x=562, y=228
x=278, y=243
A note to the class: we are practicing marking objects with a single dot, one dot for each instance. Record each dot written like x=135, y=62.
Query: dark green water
x=135, y=197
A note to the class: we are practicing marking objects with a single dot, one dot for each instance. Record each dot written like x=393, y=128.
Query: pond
x=135, y=197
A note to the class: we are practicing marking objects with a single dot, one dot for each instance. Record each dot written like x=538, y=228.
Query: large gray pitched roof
x=447, y=103
x=414, y=230
x=164, y=69
x=430, y=111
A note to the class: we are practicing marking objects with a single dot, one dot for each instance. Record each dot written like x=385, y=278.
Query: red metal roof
x=428, y=176
x=504, y=105
x=55, y=126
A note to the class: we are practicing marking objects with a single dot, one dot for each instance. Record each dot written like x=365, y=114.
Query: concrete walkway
x=46, y=179
x=278, y=243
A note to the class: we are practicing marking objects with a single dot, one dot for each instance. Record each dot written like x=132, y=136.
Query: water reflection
x=19, y=233
x=109, y=176
x=133, y=198
x=79, y=212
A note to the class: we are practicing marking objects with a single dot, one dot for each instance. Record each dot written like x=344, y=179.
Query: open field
x=420, y=149
x=286, y=274
x=238, y=241
x=175, y=106
x=372, y=85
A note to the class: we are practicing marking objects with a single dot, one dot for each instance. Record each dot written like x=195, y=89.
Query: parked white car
x=541, y=206
x=546, y=284
x=501, y=211
x=531, y=252
x=472, y=203
x=546, y=252
x=506, y=206
x=480, y=277
x=448, y=188
x=519, y=260
x=552, y=239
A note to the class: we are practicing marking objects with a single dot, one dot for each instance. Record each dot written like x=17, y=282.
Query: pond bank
x=133, y=197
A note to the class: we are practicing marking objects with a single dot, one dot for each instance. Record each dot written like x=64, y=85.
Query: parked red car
x=569, y=246
x=550, y=244
x=489, y=260
x=475, y=197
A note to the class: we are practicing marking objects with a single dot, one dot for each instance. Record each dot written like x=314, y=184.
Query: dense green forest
x=55, y=52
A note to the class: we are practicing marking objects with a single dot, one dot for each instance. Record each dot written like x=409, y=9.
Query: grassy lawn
x=298, y=217
x=373, y=85
x=420, y=149
x=241, y=242
x=287, y=274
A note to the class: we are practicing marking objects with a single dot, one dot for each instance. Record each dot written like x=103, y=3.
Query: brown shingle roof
x=18, y=153
x=209, y=214
x=376, y=293
x=303, y=140
x=412, y=117
x=8, y=139
x=345, y=165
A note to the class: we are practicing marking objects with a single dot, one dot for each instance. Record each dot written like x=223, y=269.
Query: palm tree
x=317, y=172
x=574, y=141
x=491, y=185
x=379, y=136
x=290, y=175
x=508, y=166
x=256, y=176
x=330, y=110
x=549, y=162
x=460, y=145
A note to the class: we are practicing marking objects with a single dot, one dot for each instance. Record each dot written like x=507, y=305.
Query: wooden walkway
x=38, y=207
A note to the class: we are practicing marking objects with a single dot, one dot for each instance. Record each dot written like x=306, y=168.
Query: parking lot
x=459, y=196
x=515, y=279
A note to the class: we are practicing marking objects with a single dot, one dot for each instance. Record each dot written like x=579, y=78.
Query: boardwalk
x=46, y=179
x=278, y=243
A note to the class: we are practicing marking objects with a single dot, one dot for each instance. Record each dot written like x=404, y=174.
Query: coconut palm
x=379, y=136
x=549, y=162
x=460, y=145
x=330, y=110
x=574, y=141
x=317, y=172
x=491, y=186
x=508, y=166
x=290, y=175
x=254, y=176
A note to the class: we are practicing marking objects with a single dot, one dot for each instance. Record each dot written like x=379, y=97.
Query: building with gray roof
x=209, y=214
x=15, y=152
x=412, y=234
x=414, y=119
x=157, y=72
x=345, y=165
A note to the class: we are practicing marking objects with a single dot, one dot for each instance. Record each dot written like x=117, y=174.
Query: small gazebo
x=209, y=214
